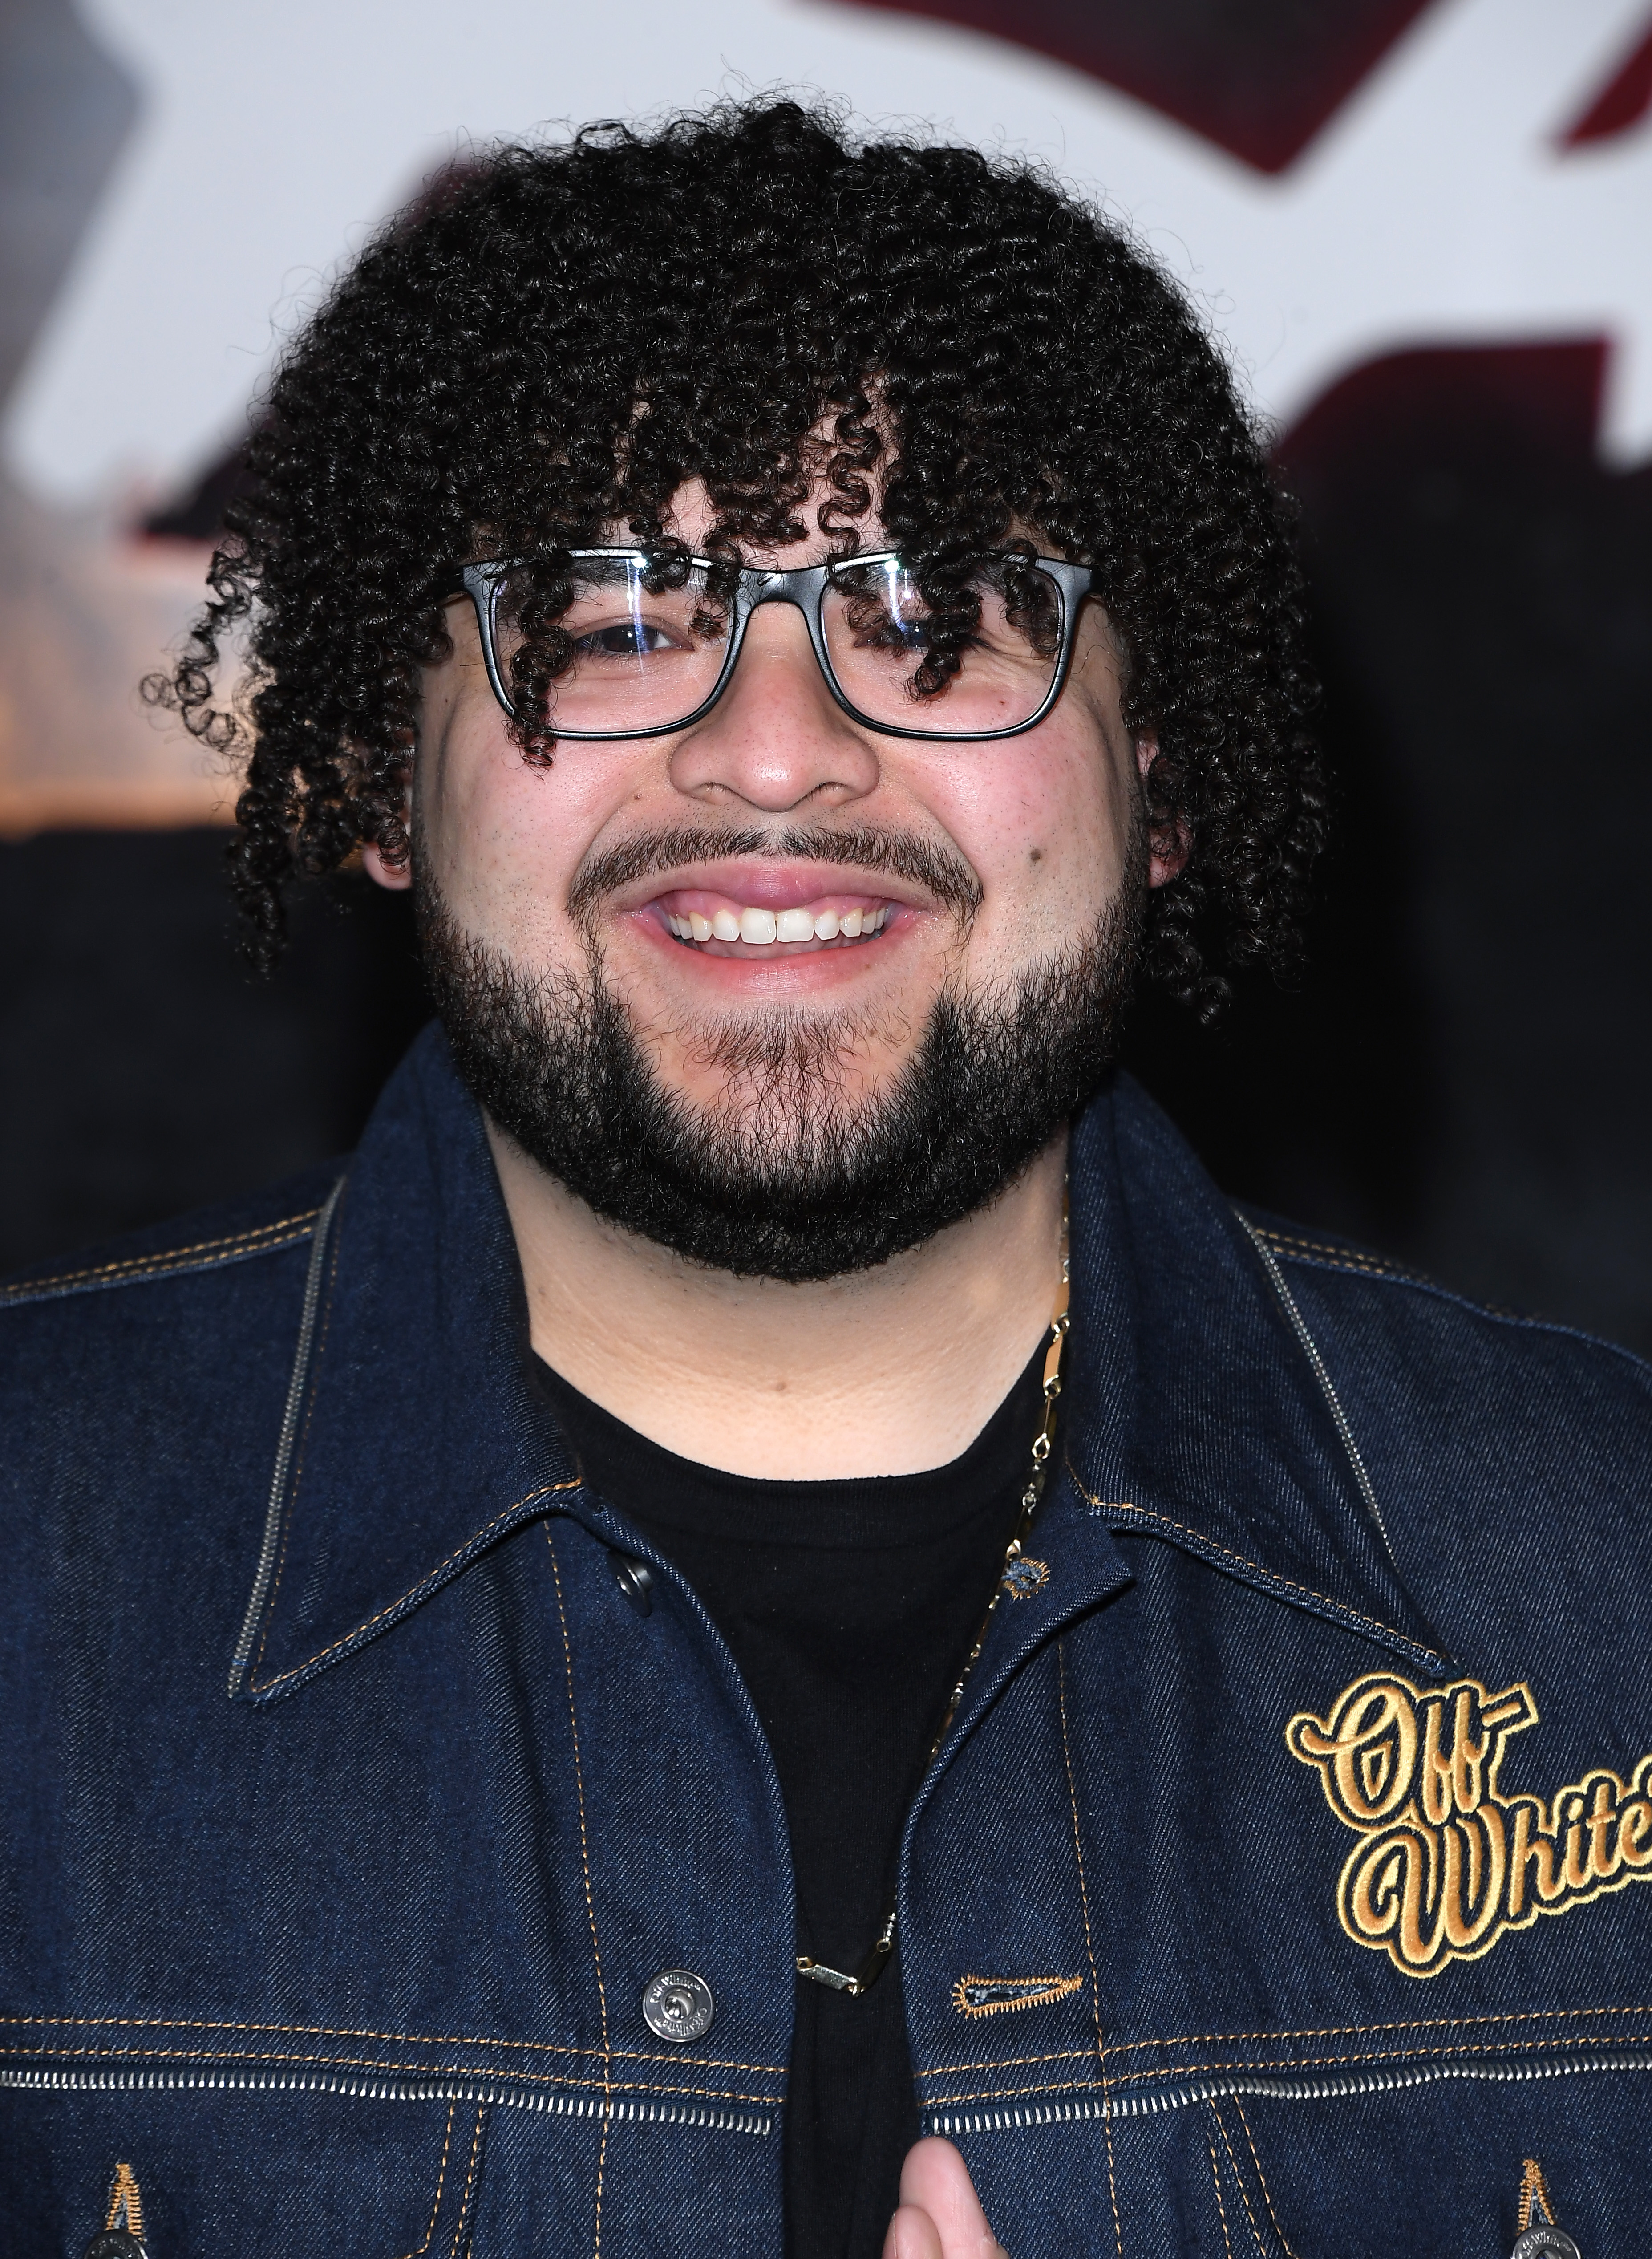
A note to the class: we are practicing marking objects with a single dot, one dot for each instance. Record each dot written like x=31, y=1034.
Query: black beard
x=778, y=1183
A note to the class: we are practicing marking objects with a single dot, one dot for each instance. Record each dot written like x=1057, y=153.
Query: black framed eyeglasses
x=655, y=639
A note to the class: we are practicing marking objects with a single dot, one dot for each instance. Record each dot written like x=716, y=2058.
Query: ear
x=394, y=877
x=1171, y=843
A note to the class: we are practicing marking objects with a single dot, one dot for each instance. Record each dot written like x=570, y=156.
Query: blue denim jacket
x=1271, y=1898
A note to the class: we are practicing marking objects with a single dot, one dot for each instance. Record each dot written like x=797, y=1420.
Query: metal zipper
x=556, y=2106
x=1280, y=2090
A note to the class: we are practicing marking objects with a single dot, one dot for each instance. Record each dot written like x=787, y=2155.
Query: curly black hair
x=557, y=337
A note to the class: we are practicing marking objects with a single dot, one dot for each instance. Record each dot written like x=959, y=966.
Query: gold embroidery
x=993, y=1995
x=1534, y=2192
x=126, y=2203
x=1446, y=1863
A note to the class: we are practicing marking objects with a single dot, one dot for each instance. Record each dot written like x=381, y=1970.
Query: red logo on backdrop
x=1258, y=80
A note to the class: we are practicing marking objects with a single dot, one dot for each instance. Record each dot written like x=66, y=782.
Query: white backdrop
x=1437, y=205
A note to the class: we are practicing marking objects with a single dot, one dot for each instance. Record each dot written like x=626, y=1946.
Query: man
x=767, y=1607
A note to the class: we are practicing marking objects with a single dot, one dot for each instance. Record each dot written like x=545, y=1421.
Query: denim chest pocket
x=1464, y=2168
x=1326, y=1997
x=1500, y=2168
x=209, y=2170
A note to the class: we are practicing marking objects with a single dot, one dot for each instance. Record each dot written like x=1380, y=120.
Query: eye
x=884, y=615
x=902, y=634
x=624, y=639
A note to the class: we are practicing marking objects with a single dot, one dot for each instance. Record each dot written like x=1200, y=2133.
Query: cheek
x=1043, y=821
x=504, y=839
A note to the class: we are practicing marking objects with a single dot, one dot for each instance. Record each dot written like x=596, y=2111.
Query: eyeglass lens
x=648, y=644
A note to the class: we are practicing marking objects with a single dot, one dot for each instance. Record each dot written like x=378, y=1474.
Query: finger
x=935, y=2181
x=913, y=2234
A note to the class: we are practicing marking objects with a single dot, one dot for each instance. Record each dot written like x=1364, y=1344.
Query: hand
x=940, y=2215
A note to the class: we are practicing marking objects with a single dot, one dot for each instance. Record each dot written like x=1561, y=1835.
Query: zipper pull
x=125, y=2240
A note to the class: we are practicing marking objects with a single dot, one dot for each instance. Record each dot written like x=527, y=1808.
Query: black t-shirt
x=848, y=1608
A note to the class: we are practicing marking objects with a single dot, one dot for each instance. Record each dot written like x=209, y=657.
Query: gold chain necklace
x=873, y=1967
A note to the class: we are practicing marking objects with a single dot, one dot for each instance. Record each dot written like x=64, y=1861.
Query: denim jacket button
x=678, y=2006
x=636, y=1580
x=1542, y=2241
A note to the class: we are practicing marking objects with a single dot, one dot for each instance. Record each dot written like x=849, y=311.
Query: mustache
x=864, y=847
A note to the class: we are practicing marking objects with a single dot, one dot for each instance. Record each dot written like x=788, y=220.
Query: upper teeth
x=760, y=927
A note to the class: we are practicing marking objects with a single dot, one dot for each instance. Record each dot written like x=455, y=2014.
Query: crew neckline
x=859, y=1512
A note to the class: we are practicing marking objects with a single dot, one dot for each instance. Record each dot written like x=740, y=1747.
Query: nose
x=776, y=737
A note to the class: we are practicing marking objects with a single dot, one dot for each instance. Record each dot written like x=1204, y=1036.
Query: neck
x=884, y=1373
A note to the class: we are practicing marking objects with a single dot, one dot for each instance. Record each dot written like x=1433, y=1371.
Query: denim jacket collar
x=1199, y=1411
x=411, y=1442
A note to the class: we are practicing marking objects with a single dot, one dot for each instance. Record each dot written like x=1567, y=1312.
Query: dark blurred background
x=1463, y=1078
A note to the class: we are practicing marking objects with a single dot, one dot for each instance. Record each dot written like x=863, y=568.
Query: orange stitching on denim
x=1411, y=2024
x=312, y=1381
x=1016, y=1993
x=1312, y=2032
x=601, y=2167
x=126, y=2196
x=1262, y=2178
x=1533, y=2191
x=1380, y=1264
x=1238, y=2182
x=585, y=1862
x=470, y=2182
x=1089, y=1942
x=677, y=2060
x=778, y=2071
x=441, y=2183
x=1368, y=1266
x=1282, y=2063
x=968, y=2099
x=1008, y=2063
x=476, y=1537
x=171, y=1257
x=426, y=2069
x=1145, y=1514
x=1389, y=2055
x=1221, y=2209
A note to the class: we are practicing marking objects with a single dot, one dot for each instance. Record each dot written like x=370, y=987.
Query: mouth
x=718, y=925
